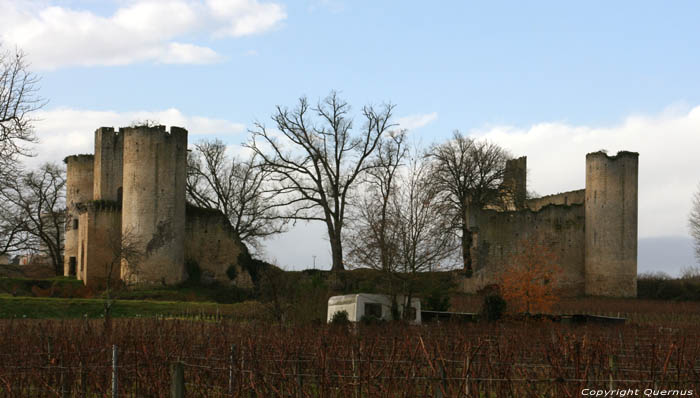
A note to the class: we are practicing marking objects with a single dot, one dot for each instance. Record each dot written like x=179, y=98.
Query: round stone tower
x=79, y=189
x=611, y=224
x=153, y=209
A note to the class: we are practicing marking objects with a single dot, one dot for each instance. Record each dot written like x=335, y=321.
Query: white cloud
x=242, y=18
x=412, y=122
x=66, y=131
x=141, y=30
x=668, y=161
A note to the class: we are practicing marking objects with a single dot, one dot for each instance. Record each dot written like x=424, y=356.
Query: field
x=72, y=358
x=61, y=347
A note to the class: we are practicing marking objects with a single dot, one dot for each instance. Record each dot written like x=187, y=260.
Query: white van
x=374, y=305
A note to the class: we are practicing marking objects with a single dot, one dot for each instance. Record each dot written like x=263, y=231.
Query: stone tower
x=109, y=148
x=79, y=189
x=153, y=210
x=515, y=181
x=611, y=224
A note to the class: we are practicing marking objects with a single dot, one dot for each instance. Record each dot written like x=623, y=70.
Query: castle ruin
x=133, y=189
x=592, y=231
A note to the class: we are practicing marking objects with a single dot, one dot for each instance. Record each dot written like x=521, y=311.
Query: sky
x=549, y=80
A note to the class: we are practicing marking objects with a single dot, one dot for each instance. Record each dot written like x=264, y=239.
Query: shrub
x=438, y=300
x=494, y=307
x=340, y=318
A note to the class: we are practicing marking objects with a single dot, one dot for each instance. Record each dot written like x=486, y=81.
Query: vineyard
x=143, y=358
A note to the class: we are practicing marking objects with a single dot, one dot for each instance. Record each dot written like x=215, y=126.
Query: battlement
x=562, y=199
x=619, y=155
x=178, y=133
x=82, y=158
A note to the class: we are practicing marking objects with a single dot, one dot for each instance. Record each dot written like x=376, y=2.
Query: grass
x=60, y=308
x=23, y=286
x=69, y=287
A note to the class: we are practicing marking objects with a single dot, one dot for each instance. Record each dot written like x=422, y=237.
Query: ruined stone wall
x=211, y=242
x=515, y=182
x=501, y=234
x=154, y=173
x=611, y=224
x=99, y=234
x=109, y=151
x=79, y=188
x=577, y=197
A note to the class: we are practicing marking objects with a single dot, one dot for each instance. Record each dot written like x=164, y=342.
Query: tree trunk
x=337, y=254
x=334, y=233
x=466, y=250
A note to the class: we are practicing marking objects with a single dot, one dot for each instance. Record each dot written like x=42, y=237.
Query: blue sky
x=550, y=80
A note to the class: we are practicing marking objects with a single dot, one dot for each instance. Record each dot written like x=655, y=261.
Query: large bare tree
x=37, y=201
x=694, y=222
x=470, y=174
x=234, y=186
x=18, y=100
x=315, y=159
x=424, y=237
x=372, y=236
x=402, y=228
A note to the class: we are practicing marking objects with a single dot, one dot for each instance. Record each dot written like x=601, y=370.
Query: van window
x=373, y=310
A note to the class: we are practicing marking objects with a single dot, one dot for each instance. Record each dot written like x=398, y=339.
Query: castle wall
x=154, y=173
x=211, y=242
x=109, y=151
x=611, y=224
x=559, y=228
x=577, y=197
x=99, y=240
x=79, y=188
x=515, y=182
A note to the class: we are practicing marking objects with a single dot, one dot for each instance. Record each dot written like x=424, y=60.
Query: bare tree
x=37, y=201
x=315, y=159
x=125, y=254
x=18, y=100
x=401, y=227
x=470, y=174
x=694, y=222
x=424, y=237
x=235, y=187
x=13, y=235
x=372, y=240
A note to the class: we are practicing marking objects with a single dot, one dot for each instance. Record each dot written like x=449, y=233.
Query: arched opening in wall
x=119, y=194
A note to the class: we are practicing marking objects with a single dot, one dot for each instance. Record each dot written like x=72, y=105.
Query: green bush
x=438, y=300
x=340, y=318
x=494, y=307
